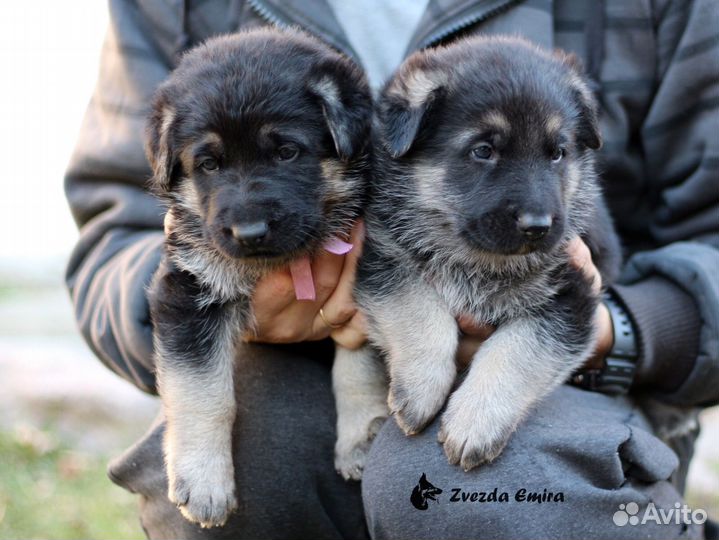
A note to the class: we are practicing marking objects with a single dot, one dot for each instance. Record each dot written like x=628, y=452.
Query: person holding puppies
x=653, y=67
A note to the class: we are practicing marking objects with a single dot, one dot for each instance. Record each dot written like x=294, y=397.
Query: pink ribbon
x=301, y=269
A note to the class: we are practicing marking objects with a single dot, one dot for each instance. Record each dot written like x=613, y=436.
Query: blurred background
x=62, y=414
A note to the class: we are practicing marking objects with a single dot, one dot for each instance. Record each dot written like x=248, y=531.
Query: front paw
x=474, y=431
x=351, y=451
x=203, y=488
x=415, y=405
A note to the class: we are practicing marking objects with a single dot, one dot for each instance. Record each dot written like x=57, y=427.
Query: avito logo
x=628, y=514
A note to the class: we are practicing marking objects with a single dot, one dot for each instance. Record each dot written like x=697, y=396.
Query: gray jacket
x=656, y=68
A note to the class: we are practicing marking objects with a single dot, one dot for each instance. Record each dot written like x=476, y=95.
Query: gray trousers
x=564, y=474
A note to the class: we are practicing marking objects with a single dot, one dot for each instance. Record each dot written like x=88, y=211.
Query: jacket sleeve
x=672, y=292
x=120, y=221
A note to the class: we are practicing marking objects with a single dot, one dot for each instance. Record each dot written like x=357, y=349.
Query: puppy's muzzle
x=534, y=226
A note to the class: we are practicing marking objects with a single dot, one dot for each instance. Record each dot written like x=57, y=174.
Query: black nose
x=534, y=226
x=249, y=234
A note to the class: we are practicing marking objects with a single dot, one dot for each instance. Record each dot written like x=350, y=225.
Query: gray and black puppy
x=259, y=146
x=484, y=171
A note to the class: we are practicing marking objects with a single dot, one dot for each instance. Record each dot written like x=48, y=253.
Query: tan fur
x=360, y=389
x=553, y=124
x=187, y=155
x=188, y=197
x=573, y=180
x=418, y=84
x=421, y=370
x=327, y=88
x=497, y=121
x=503, y=383
x=429, y=180
x=199, y=406
x=161, y=160
x=334, y=174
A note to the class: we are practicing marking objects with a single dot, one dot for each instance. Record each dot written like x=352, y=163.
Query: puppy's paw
x=202, y=489
x=415, y=405
x=351, y=454
x=468, y=450
x=473, y=432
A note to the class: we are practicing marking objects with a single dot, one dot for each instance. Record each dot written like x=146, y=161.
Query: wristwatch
x=617, y=373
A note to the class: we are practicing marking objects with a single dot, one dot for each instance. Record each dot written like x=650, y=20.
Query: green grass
x=706, y=501
x=50, y=491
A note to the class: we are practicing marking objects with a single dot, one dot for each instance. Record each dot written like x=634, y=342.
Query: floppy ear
x=346, y=103
x=158, y=146
x=588, y=134
x=404, y=104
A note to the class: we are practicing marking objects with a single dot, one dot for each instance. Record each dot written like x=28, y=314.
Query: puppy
x=484, y=171
x=258, y=145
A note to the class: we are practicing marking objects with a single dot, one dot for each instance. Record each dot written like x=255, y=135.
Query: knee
x=563, y=475
x=283, y=440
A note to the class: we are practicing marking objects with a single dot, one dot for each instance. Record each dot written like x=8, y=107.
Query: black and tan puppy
x=258, y=144
x=484, y=171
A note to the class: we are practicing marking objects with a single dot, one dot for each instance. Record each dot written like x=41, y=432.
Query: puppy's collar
x=301, y=269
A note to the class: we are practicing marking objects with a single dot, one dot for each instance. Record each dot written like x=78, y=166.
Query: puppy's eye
x=482, y=152
x=209, y=164
x=287, y=152
x=558, y=154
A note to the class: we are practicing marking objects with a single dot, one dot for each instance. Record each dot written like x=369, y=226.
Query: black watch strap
x=617, y=373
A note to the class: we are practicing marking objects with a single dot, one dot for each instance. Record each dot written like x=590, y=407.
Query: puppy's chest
x=491, y=299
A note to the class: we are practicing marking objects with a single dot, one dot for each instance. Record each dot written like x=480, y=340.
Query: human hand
x=169, y=221
x=281, y=318
x=474, y=334
x=581, y=259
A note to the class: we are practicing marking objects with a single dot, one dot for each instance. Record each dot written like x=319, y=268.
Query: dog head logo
x=422, y=491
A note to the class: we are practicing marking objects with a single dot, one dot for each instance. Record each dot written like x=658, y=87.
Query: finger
x=579, y=254
x=326, y=272
x=339, y=307
x=470, y=327
x=605, y=331
x=597, y=282
x=169, y=221
x=300, y=320
x=279, y=317
x=353, y=334
x=466, y=349
x=274, y=293
x=291, y=325
x=343, y=314
x=581, y=259
x=347, y=278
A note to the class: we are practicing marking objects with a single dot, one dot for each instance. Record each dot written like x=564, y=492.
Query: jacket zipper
x=265, y=12
x=460, y=23
x=272, y=17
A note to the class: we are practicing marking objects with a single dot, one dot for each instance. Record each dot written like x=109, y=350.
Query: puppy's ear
x=346, y=103
x=588, y=134
x=405, y=102
x=158, y=145
x=588, y=123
